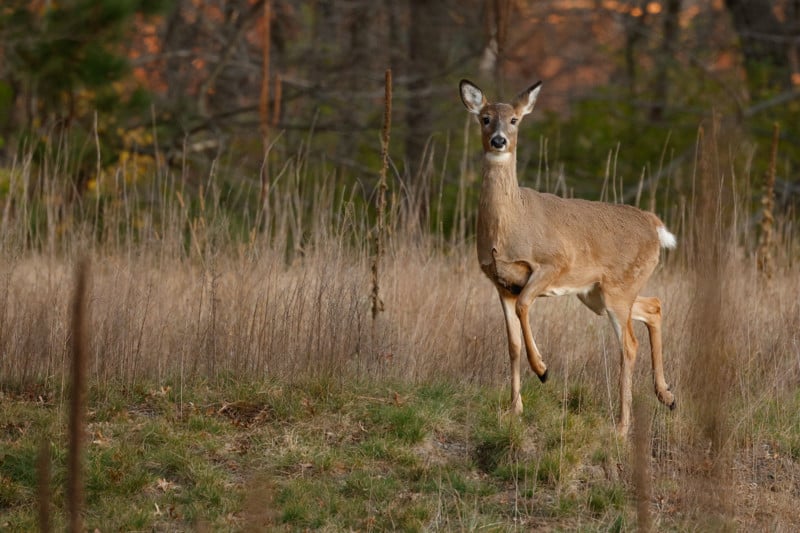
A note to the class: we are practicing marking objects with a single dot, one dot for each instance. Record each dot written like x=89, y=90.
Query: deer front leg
x=514, y=347
x=539, y=280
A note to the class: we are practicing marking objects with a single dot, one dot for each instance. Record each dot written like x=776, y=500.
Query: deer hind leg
x=620, y=315
x=648, y=310
x=513, y=329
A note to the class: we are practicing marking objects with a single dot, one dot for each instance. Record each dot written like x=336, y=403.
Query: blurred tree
x=670, y=43
x=769, y=37
x=63, y=61
x=425, y=62
x=765, y=40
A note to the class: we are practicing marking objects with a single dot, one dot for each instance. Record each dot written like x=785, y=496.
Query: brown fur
x=532, y=244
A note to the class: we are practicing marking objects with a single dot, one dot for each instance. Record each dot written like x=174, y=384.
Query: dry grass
x=161, y=322
x=182, y=303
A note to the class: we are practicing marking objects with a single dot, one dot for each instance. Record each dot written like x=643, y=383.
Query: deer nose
x=498, y=142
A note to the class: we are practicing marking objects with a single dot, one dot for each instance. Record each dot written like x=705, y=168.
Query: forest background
x=193, y=83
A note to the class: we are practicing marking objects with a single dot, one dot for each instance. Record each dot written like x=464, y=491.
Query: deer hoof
x=543, y=377
x=667, y=398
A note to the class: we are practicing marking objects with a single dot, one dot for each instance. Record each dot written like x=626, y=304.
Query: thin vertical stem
x=276, y=101
x=77, y=406
x=43, y=469
x=263, y=106
x=263, y=103
x=765, y=244
x=641, y=467
x=377, y=303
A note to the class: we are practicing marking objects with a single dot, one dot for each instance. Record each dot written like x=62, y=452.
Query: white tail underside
x=667, y=239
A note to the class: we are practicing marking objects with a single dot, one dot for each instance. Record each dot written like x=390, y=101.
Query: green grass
x=380, y=456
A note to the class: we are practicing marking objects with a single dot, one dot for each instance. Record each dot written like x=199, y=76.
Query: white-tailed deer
x=533, y=244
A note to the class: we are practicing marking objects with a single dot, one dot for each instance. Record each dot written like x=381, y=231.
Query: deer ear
x=527, y=99
x=472, y=96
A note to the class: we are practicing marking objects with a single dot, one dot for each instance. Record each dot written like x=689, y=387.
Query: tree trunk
x=634, y=31
x=426, y=57
x=764, y=41
x=664, y=60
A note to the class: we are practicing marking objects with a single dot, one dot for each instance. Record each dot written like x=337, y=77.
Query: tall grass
x=185, y=287
x=183, y=284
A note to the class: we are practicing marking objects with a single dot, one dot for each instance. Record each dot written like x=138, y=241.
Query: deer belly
x=512, y=276
x=561, y=291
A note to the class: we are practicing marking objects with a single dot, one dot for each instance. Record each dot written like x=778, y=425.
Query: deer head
x=499, y=122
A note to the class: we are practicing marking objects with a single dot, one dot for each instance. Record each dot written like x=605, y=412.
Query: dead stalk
x=77, y=407
x=712, y=369
x=641, y=467
x=43, y=485
x=765, y=242
x=276, y=101
x=377, y=303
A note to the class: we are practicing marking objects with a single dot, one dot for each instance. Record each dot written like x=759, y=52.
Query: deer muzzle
x=498, y=142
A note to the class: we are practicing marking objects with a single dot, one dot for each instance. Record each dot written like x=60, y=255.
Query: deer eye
x=486, y=120
x=514, y=121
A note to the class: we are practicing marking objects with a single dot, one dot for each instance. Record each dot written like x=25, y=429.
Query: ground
x=332, y=456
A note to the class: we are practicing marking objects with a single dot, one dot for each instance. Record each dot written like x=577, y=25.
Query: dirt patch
x=247, y=414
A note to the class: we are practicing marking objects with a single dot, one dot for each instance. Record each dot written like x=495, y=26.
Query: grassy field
x=281, y=405
x=389, y=456
x=237, y=381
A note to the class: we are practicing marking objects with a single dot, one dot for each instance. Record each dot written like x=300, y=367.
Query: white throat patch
x=497, y=157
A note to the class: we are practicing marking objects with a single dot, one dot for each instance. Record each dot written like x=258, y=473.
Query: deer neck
x=500, y=189
x=499, y=203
